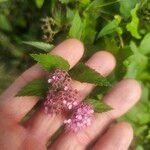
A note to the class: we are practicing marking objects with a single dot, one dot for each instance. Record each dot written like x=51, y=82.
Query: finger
x=71, y=50
x=118, y=137
x=43, y=125
x=121, y=98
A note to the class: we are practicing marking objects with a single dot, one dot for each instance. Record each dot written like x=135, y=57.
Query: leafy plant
x=119, y=26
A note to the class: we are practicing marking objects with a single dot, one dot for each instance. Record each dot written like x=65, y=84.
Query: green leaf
x=99, y=106
x=83, y=73
x=132, y=27
x=4, y=23
x=126, y=6
x=39, y=3
x=76, y=26
x=1, y=1
x=133, y=63
x=143, y=111
x=40, y=45
x=49, y=61
x=37, y=87
x=95, y=7
x=64, y=1
x=111, y=27
x=144, y=47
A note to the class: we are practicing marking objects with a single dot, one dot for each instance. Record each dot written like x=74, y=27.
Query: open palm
x=101, y=135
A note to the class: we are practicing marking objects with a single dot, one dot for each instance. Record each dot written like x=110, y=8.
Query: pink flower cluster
x=80, y=118
x=59, y=80
x=62, y=98
x=61, y=101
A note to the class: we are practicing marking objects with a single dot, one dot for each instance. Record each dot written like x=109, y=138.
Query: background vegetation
x=119, y=26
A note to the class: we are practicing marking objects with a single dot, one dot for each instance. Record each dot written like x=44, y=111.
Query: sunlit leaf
x=145, y=44
x=40, y=45
x=49, y=61
x=76, y=26
x=132, y=27
x=39, y=3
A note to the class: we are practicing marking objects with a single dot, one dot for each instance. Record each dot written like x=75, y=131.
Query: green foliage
x=134, y=68
x=4, y=23
x=83, y=19
x=132, y=27
x=99, y=106
x=111, y=27
x=83, y=73
x=39, y=3
x=144, y=47
x=1, y=1
x=76, y=27
x=37, y=87
x=40, y=45
x=49, y=61
x=126, y=6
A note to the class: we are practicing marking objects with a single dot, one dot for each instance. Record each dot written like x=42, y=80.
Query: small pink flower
x=61, y=101
x=80, y=118
x=59, y=80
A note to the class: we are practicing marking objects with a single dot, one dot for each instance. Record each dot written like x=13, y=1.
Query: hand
x=34, y=134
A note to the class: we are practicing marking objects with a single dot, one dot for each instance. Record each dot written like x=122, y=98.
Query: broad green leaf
x=99, y=106
x=37, y=87
x=76, y=26
x=135, y=63
x=49, y=61
x=83, y=73
x=40, y=45
x=132, y=27
x=111, y=27
x=39, y=3
x=145, y=44
x=4, y=23
x=126, y=6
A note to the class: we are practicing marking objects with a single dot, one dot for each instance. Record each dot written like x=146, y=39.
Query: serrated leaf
x=98, y=105
x=39, y=3
x=37, y=87
x=83, y=73
x=76, y=26
x=132, y=27
x=49, y=61
x=40, y=45
x=144, y=47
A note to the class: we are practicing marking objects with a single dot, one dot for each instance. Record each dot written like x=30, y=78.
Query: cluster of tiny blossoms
x=58, y=102
x=62, y=98
x=59, y=80
x=80, y=118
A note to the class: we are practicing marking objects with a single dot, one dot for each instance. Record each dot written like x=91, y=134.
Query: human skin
x=101, y=135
